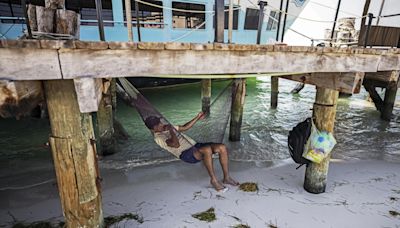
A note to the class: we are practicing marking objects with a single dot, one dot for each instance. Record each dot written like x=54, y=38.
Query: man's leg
x=223, y=160
x=206, y=154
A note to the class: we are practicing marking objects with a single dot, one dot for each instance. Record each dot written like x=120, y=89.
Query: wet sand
x=359, y=194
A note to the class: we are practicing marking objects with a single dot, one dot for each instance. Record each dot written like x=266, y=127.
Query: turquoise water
x=360, y=132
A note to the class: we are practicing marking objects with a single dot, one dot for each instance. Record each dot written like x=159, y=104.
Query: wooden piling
x=105, y=123
x=206, y=95
x=74, y=154
x=274, y=92
x=390, y=96
x=324, y=113
x=238, y=96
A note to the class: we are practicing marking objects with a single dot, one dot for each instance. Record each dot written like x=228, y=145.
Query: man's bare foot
x=230, y=181
x=217, y=185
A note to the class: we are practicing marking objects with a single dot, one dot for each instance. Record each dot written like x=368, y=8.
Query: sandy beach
x=359, y=194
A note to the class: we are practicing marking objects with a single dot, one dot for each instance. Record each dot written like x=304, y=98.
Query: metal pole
x=284, y=20
x=370, y=16
x=260, y=20
x=334, y=23
x=219, y=21
x=128, y=13
x=380, y=12
x=279, y=21
x=230, y=21
x=137, y=20
x=99, y=10
x=28, y=26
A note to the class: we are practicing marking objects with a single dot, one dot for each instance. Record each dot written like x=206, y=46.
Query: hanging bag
x=319, y=145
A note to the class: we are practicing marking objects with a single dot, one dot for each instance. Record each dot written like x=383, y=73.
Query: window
x=12, y=8
x=272, y=20
x=186, y=19
x=149, y=16
x=251, y=20
x=226, y=18
x=87, y=9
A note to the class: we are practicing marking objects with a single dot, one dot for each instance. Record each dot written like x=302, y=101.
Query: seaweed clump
x=248, y=187
x=208, y=215
x=394, y=213
x=112, y=219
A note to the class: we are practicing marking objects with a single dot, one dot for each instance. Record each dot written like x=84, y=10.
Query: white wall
x=349, y=8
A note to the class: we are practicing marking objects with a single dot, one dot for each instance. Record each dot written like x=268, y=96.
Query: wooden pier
x=76, y=78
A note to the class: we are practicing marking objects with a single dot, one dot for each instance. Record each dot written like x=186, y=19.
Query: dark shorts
x=188, y=156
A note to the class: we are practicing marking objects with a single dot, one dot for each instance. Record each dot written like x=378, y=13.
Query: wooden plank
x=89, y=93
x=155, y=63
x=29, y=64
x=389, y=62
x=342, y=82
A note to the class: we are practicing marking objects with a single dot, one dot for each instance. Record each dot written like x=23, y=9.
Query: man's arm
x=190, y=124
x=173, y=141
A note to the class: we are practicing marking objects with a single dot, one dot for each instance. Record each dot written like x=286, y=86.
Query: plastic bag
x=319, y=145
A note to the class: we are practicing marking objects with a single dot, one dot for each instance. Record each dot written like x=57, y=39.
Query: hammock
x=210, y=129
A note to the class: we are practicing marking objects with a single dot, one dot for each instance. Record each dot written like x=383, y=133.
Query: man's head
x=153, y=123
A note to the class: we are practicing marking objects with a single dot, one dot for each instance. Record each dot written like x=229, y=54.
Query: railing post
x=370, y=17
x=28, y=26
x=284, y=20
x=128, y=13
x=279, y=21
x=99, y=12
x=219, y=21
x=334, y=23
x=260, y=20
x=137, y=20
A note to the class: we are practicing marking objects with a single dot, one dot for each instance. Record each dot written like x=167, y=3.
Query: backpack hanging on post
x=297, y=139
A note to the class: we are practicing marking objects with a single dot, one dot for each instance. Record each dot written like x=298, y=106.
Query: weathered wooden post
x=74, y=154
x=105, y=121
x=324, y=113
x=390, y=96
x=274, y=92
x=205, y=95
x=238, y=96
x=72, y=137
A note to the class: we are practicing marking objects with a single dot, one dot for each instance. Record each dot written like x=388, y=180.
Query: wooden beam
x=238, y=96
x=89, y=93
x=343, y=82
x=18, y=98
x=380, y=79
x=191, y=61
x=324, y=114
x=74, y=154
x=162, y=62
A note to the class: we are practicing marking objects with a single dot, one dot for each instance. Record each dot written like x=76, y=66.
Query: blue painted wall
x=118, y=32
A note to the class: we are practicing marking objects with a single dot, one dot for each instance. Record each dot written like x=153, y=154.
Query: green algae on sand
x=208, y=215
x=248, y=187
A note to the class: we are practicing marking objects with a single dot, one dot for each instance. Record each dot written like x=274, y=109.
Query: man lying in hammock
x=167, y=137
